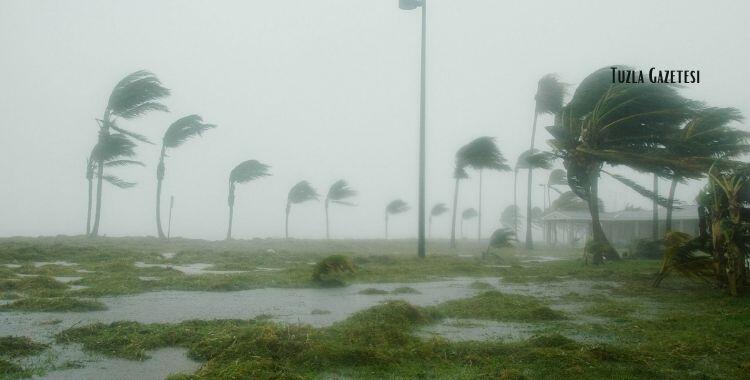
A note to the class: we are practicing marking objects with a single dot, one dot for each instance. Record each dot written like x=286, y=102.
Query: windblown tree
x=501, y=238
x=300, y=193
x=617, y=124
x=530, y=159
x=338, y=193
x=135, y=95
x=177, y=134
x=557, y=177
x=468, y=214
x=549, y=97
x=437, y=210
x=245, y=172
x=480, y=154
x=113, y=151
x=394, y=208
x=509, y=217
x=459, y=173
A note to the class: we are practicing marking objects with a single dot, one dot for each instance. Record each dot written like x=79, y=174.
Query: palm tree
x=557, y=177
x=338, y=193
x=509, y=216
x=707, y=134
x=437, y=210
x=482, y=153
x=459, y=173
x=114, y=151
x=501, y=238
x=134, y=96
x=245, y=172
x=395, y=207
x=549, y=97
x=530, y=159
x=469, y=213
x=299, y=193
x=617, y=124
x=177, y=134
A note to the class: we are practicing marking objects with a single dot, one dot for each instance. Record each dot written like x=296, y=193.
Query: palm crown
x=339, y=192
x=184, y=129
x=302, y=192
x=396, y=207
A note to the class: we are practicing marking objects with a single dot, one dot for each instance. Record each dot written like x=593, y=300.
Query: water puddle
x=190, y=269
x=66, y=279
x=39, y=264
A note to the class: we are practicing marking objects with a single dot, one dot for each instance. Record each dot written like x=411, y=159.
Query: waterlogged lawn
x=578, y=321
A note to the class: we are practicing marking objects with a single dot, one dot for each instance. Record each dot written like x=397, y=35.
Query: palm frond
x=302, y=192
x=118, y=182
x=113, y=147
x=137, y=94
x=117, y=163
x=557, y=177
x=132, y=134
x=481, y=153
x=502, y=238
x=438, y=209
x=469, y=213
x=248, y=171
x=184, y=129
x=397, y=206
x=339, y=191
x=509, y=216
x=550, y=94
x=535, y=159
x=660, y=200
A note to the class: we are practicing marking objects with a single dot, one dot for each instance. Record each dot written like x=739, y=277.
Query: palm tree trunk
x=655, y=211
x=230, y=202
x=529, y=238
x=515, y=202
x=670, y=204
x=479, y=220
x=328, y=236
x=286, y=223
x=453, y=220
x=159, y=179
x=103, y=134
x=602, y=246
x=88, y=213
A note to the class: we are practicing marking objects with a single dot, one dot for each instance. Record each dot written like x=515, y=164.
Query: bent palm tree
x=530, y=159
x=469, y=213
x=134, y=96
x=548, y=100
x=245, y=172
x=501, y=238
x=299, y=193
x=459, y=173
x=338, y=193
x=482, y=153
x=177, y=134
x=437, y=210
x=395, y=207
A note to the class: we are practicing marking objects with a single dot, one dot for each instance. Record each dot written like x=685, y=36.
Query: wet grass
x=13, y=347
x=498, y=306
x=57, y=304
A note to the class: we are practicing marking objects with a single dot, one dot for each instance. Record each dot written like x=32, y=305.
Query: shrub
x=331, y=270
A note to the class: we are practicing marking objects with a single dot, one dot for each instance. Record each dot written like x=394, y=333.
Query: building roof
x=688, y=212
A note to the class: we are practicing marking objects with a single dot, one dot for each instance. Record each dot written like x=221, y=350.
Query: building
x=621, y=227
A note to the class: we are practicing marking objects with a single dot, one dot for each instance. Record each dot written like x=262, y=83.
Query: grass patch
x=16, y=346
x=497, y=306
x=481, y=285
x=372, y=291
x=10, y=370
x=611, y=308
x=53, y=305
x=405, y=290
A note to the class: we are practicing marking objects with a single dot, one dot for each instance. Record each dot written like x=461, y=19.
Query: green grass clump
x=551, y=340
x=494, y=305
x=405, y=290
x=16, y=346
x=481, y=285
x=10, y=370
x=57, y=304
x=331, y=270
x=372, y=291
x=611, y=308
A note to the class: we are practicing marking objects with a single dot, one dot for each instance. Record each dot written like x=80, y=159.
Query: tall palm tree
x=177, y=134
x=244, y=172
x=437, y=210
x=395, y=207
x=549, y=97
x=708, y=133
x=299, y=193
x=617, y=124
x=480, y=154
x=134, y=96
x=114, y=151
x=459, y=173
x=338, y=193
x=530, y=159
x=469, y=213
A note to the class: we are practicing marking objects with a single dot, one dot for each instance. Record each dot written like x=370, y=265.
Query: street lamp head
x=410, y=4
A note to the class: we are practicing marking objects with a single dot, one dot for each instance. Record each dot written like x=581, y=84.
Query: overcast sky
x=320, y=90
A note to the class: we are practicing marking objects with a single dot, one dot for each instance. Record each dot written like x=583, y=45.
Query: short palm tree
x=338, y=193
x=299, y=193
x=480, y=154
x=501, y=238
x=113, y=151
x=469, y=213
x=395, y=207
x=177, y=134
x=530, y=159
x=437, y=210
x=134, y=96
x=549, y=97
x=459, y=173
x=245, y=172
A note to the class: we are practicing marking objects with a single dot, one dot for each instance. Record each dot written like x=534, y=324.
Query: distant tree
x=437, y=210
x=549, y=98
x=338, y=193
x=530, y=159
x=459, y=173
x=134, y=96
x=177, y=134
x=501, y=238
x=480, y=154
x=245, y=172
x=509, y=216
x=469, y=213
x=299, y=193
x=395, y=207
x=557, y=177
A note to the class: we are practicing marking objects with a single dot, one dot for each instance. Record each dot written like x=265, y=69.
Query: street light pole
x=408, y=5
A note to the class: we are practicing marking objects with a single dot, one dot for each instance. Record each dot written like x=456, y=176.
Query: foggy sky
x=320, y=90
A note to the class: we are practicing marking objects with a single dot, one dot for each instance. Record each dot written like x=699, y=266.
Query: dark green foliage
x=247, y=171
x=534, y=159
x=469, y=213
x=137, y=94
x=339, y=192
x=494, y=305
x=502, y=238
x=481, y=153
x=551, y=340
x=331, y=270
x=438, y=209
x=302, y=192
x=550, y=94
